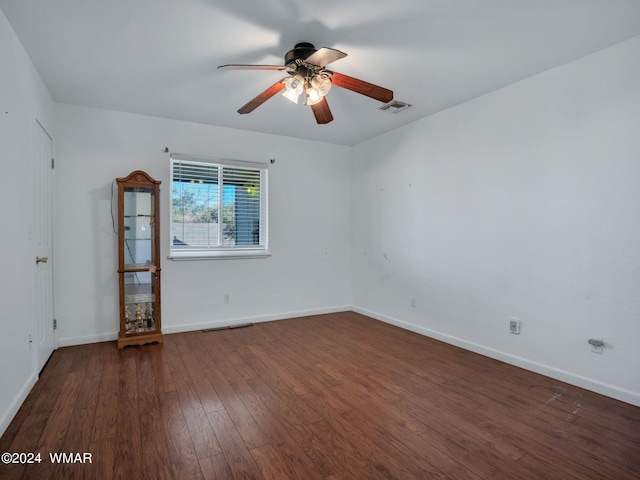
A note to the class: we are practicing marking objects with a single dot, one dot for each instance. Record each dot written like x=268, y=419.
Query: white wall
x=23, y=99
x=522, y=203
x=309, y=199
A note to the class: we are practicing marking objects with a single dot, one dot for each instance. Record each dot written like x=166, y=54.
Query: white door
x=42, y=232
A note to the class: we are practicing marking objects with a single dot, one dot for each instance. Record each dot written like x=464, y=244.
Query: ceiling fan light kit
x=293, y=87
x=306, y=66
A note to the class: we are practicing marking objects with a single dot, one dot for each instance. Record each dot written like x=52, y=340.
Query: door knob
x=41, y=260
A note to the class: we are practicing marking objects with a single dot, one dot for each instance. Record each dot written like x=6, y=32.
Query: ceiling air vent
x=394, y=106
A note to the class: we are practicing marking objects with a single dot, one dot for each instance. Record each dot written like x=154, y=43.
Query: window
x=218, y=208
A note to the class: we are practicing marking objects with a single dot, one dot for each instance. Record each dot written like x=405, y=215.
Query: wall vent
x=394, y=106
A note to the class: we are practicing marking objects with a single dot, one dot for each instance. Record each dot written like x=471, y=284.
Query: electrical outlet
x=514, y=326
x=227, y=298
x=413, y=303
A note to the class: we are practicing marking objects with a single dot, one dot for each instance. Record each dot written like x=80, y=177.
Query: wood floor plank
x=388, y=457
x=279, y=368
x=472, y=447
x=54, y=434
x=194, y=357
x=345, y=475
x=289, y=393
x=51, y=380
x=215, y=468
x=346, y=453
x=28, y=436
x=284, y=431
x=77, y=440
x=246, y=426
x=238, y=457
x=129, y=446
x=550, y=442
x=148, y=396
x=104, y=421
x=301, y=359
x=281, y=464
x=181, y=450
x=103, y=453
x=203, y=436
x=92, y=364
x=157, y=455
x=326, y=397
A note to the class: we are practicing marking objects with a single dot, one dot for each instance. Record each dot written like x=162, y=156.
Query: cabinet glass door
x=139, y=220
x=139, y=302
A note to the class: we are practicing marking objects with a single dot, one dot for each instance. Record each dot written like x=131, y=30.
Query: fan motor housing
x=301, y=51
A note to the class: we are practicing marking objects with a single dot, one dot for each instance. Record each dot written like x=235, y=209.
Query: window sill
x=218, y=255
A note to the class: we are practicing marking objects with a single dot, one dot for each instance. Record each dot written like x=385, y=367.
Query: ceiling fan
x=307, y=76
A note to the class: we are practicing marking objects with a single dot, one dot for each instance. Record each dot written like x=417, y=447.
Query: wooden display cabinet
x=139, y=259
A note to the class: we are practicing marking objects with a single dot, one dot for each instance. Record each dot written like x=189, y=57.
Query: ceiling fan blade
x=263, y=97
x=236, y=66
x=360, y=86
x=324, y=56
x=322, y=111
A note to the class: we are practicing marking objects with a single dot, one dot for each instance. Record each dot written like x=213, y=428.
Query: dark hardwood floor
x=337, y=396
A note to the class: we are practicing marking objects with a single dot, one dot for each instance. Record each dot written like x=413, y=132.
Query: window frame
x=221, y=251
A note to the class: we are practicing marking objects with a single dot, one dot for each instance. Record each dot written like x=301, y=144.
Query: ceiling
x=159, y=57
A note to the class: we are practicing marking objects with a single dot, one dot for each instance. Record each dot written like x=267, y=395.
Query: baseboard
x=103, y=337
x=253, y=319
x=612, y=391
x=190, y=327
x=17, y=403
